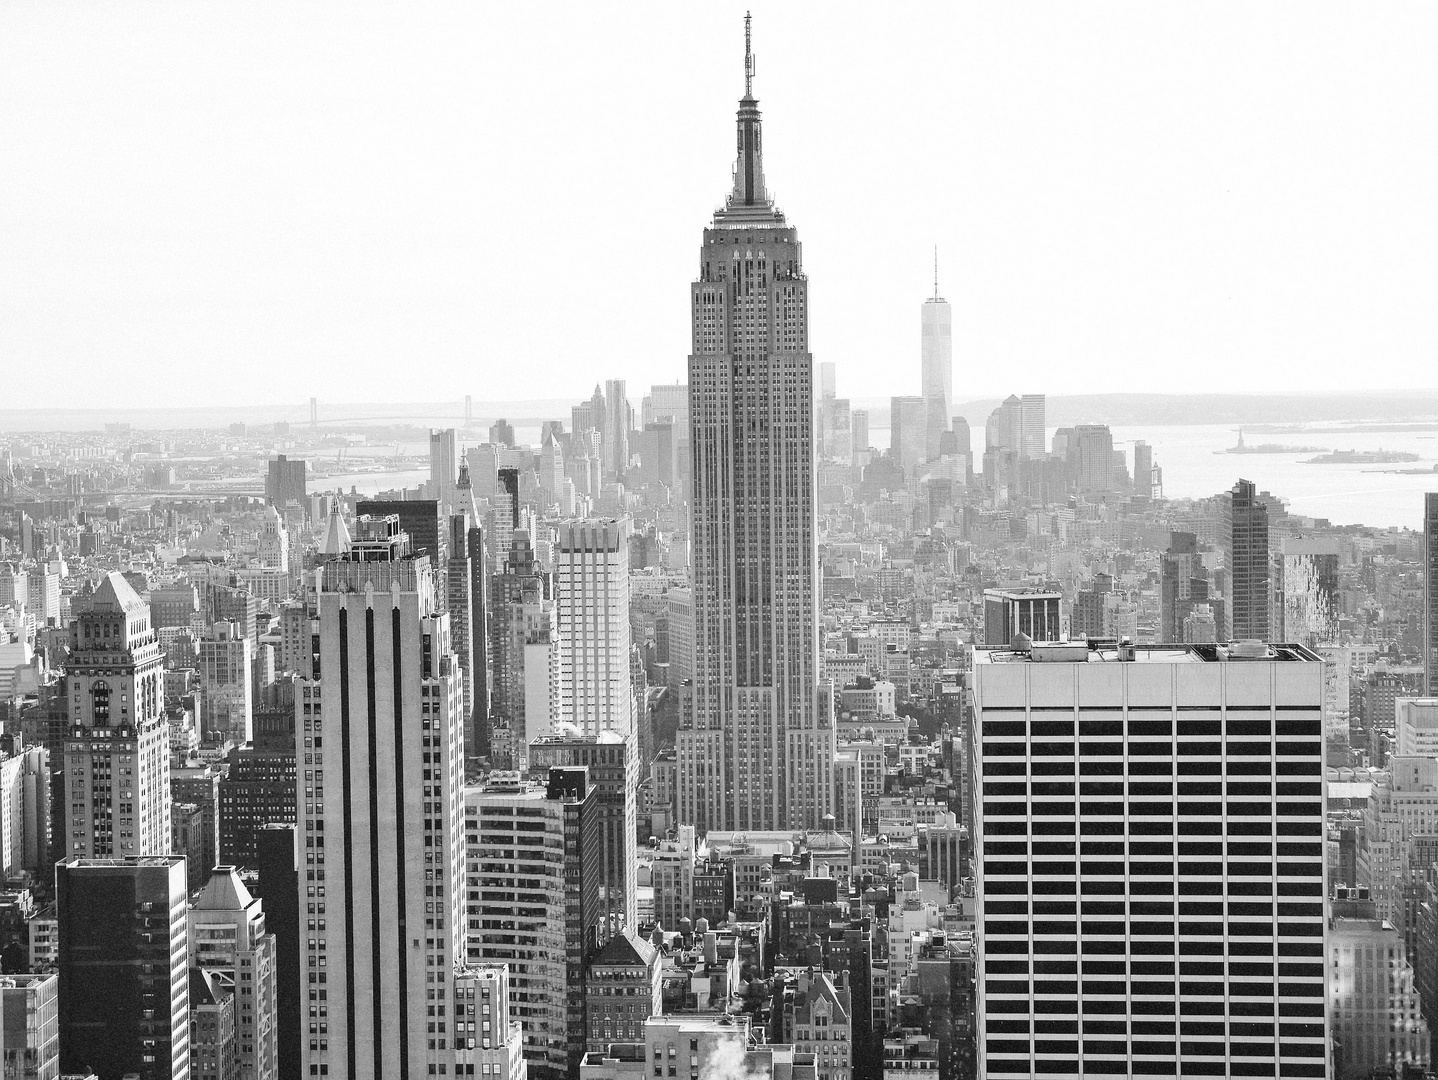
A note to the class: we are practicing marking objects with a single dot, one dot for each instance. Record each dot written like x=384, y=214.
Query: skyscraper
x=124, y=969
x=859, y=431
x=1142, y=469
x=524, y=702
x=1306, y=590
x=964, y=440
x=1090, y=458
x=1172, y=918
x=1430, y=594
x=591, y=592
x=117, y=751
x=542, y=839
x=757, y=752
x=1183, y=586
x=501, y=433
x=613, y=764
x=278, y=862
x=1247, y=571
x=476, y=733
x=1032, y=426
x=225, y=659
x=938, y=366
x=422, y=520
x=285, y=481
x=908, y=423
x=383, y=748
x=670, y=404
x=443, y=465
x=1005, y=429
x=459, y=598
x=616, y=428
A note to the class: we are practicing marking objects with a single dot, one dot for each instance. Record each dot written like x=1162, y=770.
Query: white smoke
x=725, y=1060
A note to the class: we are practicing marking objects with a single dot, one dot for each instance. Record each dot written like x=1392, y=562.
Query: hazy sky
x=205, y=202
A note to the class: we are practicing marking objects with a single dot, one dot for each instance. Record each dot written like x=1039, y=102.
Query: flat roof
x=1108, y=651
x=1349, y=789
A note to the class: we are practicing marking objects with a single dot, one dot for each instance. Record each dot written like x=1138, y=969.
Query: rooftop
x=1109, y=651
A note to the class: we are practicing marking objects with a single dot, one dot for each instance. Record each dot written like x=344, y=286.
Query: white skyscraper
x=938, y=367
x=381, y=737
x=758, y=750
x=591, y=584
x=1032, y=424
x=443, y=466
x=1149, y=833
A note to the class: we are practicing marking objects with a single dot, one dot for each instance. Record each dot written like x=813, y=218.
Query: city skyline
x=676, y=729
x=295, y=241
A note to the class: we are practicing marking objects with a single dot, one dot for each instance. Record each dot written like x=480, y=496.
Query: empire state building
x=757, y=751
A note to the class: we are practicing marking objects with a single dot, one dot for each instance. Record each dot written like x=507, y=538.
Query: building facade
x=613, y=763
x=124, y=973
x=117, y=760
x=285, y=481
x=228, y=939
x=757, y=750
x=30, y=1026
x=539, y=841
x=1150, y=850
x=591, y=592
x=383, y=758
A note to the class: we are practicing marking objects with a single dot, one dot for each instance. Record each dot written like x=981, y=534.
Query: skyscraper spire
x=936, y=271
x=756, y=749
x=748, y=61
x=749, y=167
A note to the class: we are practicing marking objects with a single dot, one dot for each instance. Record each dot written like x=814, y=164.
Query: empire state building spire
x=756, y=750
x=749, y=168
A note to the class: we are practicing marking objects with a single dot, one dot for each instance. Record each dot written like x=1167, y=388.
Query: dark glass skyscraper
x=124, y=984
x=1248, y=564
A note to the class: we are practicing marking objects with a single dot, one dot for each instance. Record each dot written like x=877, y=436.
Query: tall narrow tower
x=938, y=367
x=757, y=751
x=383, y=747
x=592, y=625
x=1248, y=579
x=443, y=470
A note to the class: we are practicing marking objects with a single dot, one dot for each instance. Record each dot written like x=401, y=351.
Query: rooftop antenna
x=936, y=271
x=748, y=61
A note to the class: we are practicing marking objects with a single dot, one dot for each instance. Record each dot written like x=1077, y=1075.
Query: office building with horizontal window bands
x=1151, y=872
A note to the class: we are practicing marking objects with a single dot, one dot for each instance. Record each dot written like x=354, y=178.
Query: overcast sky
x=259, y=202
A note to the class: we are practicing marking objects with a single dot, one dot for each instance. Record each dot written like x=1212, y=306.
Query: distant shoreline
x=1375, y=411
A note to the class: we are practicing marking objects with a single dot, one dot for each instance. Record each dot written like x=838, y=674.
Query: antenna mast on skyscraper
x=936, y=271
x=748, y=61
